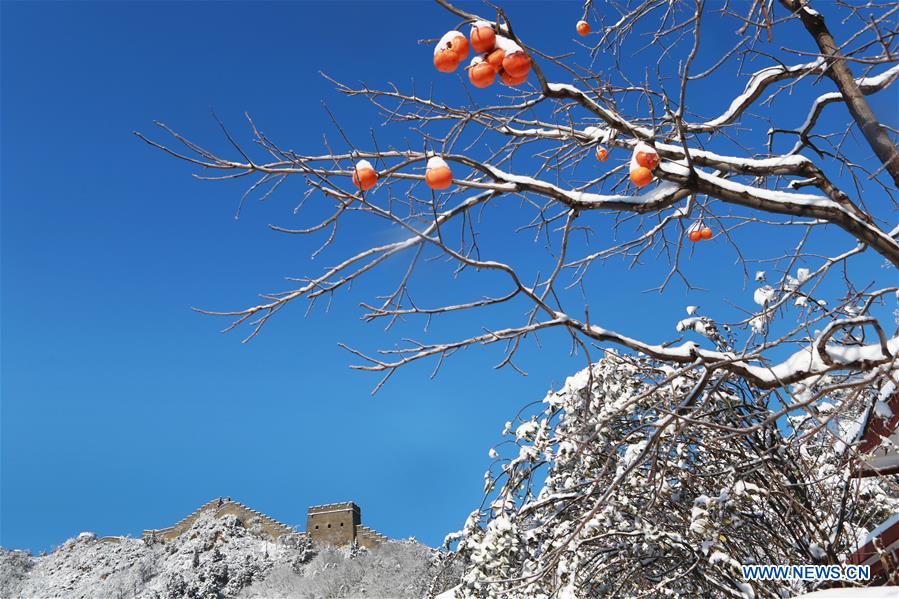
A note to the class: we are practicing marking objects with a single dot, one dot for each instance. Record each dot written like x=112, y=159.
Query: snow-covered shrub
x=663, y=482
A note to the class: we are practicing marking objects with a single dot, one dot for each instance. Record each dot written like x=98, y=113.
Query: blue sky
x=121, y=408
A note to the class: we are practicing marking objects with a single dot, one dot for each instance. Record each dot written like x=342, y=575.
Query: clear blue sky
x=121, y=408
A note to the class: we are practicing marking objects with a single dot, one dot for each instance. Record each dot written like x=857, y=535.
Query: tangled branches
x=731, y=191
x=632, y=483
x=699, y=442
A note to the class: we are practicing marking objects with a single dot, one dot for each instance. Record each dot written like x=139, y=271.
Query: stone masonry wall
x=223, y=507
x=368, y=538
x=337, y=524
x=333, y=523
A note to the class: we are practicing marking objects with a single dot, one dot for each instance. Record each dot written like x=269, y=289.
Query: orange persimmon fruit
x=450, y=50
x=438, y=174
x=481, y=74
x=495, y=59
x=646, y=159
x=483, y=37
x=641, y=176
x=695, y=235
x=446, y=61
x=705, y=232
x=583, y=27
x=517, y=64
x=459, y=45
x=602, y=154
x=364, y=175
x=512, y=81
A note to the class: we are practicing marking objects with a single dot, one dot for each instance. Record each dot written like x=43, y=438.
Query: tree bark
x=855, y=100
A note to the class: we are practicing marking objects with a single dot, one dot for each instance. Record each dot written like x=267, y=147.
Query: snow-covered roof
x=880, y=544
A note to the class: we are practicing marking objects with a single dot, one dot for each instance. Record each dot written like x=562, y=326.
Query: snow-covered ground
x=219, y=558
x=868, y=593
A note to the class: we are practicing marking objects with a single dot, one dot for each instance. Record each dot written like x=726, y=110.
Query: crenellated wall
x=224, y=507
x=332, y=523
x=368, y=538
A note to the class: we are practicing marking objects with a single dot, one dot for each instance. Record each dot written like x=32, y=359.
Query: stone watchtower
x=340, y=524
x=333, y=523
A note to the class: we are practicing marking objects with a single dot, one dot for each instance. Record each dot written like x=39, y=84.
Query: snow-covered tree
x=637, y=479
x=731, y=445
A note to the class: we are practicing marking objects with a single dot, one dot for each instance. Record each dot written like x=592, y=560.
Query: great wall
x=336, y=524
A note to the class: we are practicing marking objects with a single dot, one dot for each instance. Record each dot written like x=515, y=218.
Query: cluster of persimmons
x=643, y=161
x=699, y=231
x=494, y=55
x=498, y=55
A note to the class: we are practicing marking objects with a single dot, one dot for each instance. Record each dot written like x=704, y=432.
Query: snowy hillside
x=220, y=558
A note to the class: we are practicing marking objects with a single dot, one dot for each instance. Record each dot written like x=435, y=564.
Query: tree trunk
x=855, y=100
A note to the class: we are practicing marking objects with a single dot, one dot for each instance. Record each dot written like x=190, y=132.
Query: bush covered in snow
x=662, y=482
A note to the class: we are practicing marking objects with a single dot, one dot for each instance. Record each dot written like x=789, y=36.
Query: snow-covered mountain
x=218, y=557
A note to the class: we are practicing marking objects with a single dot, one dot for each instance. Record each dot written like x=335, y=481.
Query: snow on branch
x=538, y=146
x=757, y=84
x=868, y=85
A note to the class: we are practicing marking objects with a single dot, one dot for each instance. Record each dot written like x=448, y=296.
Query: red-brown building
x=879, y=456
x=880, y=442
